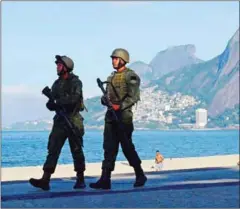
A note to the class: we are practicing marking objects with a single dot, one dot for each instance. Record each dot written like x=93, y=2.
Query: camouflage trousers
x=113, y=136
x=57, y=138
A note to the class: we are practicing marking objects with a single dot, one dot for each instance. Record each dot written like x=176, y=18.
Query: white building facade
x=201, y=118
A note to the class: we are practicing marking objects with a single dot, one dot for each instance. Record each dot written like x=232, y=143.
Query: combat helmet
x=66, y=61
x=121, y=53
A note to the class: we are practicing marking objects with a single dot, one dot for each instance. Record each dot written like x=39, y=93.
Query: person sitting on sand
x=158, y=161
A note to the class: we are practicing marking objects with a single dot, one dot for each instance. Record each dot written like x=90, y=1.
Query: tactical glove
x=104, y=100
x=52, y=106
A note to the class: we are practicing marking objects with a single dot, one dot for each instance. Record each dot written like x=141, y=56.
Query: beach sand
x=94, y=169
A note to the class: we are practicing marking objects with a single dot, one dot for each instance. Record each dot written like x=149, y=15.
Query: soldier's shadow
x=123, y=183
x=185, y=176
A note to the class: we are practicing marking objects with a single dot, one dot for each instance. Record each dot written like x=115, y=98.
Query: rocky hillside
x=169, y=60
x=215, y=81
x=173, y=59
x=174, y=85
x=228, y=69
x=157, y=109
x=144, y=71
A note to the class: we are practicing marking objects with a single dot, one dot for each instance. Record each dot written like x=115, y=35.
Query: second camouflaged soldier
x=123, y=92
x=67, y=93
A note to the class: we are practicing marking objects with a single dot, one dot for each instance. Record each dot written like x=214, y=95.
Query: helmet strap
x=121, y=64
x=63, y=73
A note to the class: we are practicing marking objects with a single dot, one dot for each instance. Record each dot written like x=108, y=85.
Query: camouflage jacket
x=68, y=94
x=123, y=88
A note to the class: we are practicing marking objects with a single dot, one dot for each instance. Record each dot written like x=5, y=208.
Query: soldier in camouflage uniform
x=67, y=93
x=123, y=92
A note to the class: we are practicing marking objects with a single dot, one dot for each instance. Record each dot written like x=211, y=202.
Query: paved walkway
x=203, y=187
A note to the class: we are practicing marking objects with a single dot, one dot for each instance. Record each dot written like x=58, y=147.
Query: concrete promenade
x=183, y=182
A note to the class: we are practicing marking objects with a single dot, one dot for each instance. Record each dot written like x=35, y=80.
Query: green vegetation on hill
x=227, y=118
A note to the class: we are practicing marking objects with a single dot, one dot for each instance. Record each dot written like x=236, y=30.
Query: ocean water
x=30, y=148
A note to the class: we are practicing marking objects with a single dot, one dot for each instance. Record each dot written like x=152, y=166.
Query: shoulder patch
x=133, y=79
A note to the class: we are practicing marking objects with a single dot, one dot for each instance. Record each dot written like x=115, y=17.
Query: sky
x=34, y=32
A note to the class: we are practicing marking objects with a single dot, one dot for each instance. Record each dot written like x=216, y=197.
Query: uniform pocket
x=78, y=123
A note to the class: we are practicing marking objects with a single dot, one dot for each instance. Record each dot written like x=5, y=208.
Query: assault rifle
x=61, y=112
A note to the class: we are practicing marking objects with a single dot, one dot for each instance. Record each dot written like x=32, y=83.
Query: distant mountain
x=144, y=71
x=95, y=114
x=227, y=96
x=173, y=59
x=31, y=125
x=174, y=85
x=215, y=81
x=157, y=109
x=26, y=107
x=166, y=61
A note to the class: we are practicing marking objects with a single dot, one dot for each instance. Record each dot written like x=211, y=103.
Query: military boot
x=80, y=183
x=42, y=183
x=104, y=182
x=140, y=177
